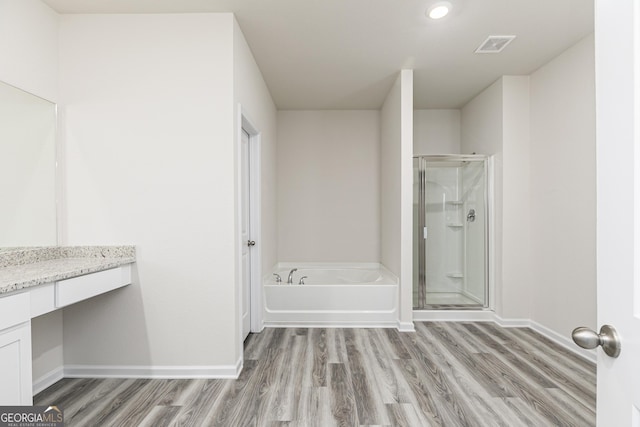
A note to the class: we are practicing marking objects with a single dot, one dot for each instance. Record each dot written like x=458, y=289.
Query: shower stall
x=450, y=243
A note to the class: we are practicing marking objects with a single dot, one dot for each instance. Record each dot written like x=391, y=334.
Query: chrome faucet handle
x=278, y=278
x=301, y=282
x=290, y=278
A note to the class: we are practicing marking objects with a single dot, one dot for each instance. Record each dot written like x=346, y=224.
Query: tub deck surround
x=333, y=295
x=23, y=268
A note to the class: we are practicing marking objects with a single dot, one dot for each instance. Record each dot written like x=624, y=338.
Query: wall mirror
x=27, y=169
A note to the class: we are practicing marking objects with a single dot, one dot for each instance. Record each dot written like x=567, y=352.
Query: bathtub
x=355, y=295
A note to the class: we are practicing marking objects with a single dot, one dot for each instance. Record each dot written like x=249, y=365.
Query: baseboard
x=47, y=380
x=566, y=342
x=328, y=324
x=182, y=372
x=454, y=315
x=512, y=323
x=490, y=316
x=406, y=326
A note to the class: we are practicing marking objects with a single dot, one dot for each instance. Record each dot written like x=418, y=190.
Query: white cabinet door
x=15, y=350
x=15, y=365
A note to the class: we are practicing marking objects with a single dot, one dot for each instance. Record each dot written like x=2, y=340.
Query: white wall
x=563, y=193
x=482, y=132
x=396, y=190
x=517, y=286
x=329, y=186
x=251, y=91
x=436, y=132
x=390, y=134
x=542, y=130
x=29, y=61
x=481, y=118
x=496, y=122
x=148, y=101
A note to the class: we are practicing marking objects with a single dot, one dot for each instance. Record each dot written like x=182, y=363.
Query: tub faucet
x=301, y=282
x=278, y=278
x=290, y=279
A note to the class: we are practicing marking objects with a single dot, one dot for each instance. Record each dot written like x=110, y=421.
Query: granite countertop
x=26, y=267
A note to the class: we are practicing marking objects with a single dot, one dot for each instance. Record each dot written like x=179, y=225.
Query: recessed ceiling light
x=439, y=10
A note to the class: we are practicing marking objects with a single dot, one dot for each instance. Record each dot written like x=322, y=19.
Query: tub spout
x=290, y=278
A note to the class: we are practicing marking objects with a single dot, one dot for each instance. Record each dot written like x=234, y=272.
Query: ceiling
x=346, y=54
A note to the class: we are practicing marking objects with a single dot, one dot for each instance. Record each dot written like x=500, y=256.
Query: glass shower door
x=450, y=250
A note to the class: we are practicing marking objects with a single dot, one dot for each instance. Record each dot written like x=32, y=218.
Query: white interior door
x=246, y=235
x=618, y=217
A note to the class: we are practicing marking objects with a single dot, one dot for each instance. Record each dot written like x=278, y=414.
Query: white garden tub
x=356, y=295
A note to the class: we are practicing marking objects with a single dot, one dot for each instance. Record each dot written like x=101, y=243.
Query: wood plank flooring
x=446, y=374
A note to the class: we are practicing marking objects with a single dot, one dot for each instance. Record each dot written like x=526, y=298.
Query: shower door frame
x=488, y=195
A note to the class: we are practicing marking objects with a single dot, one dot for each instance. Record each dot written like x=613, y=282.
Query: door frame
x=255, y=223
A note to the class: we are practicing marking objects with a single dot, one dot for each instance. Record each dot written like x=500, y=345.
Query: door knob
x=251, y=243
x=608, y=338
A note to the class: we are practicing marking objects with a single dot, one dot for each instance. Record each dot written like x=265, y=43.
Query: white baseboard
x=566, y=342
x=233, y=371
x=328, y=324
x=188, y=372
x=454, y=316
x=47, y=380
x=490, y=316
x=406, y=326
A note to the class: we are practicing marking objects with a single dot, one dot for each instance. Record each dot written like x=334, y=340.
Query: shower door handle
x=251, y=243
x=471, y=216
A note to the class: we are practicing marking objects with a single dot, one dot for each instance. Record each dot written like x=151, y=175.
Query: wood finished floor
x=445, y=374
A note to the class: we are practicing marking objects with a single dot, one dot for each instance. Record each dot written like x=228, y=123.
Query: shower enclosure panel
x=450, y=256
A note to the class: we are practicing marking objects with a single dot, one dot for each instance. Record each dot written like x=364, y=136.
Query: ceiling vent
x=494, y=44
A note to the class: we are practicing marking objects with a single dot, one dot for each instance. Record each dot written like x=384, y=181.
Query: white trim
x=406, y=326
x=453, y=315
x=155, y=372
x=566, y=342
x=257, y=304
x=490, y=316
x=255, y=218
x=60, y=178
x=512, y=323
x=405, y=288
x=329, y=324
x=47, y=380
x=491, y=243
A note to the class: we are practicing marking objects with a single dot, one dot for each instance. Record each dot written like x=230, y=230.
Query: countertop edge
x=54, y=273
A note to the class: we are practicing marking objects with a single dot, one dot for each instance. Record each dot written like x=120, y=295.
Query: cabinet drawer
x=76, y=289
x=42, y=299
x=14, y=309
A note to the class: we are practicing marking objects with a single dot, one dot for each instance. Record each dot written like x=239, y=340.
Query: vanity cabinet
x=15, y=350
x=17, y=310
